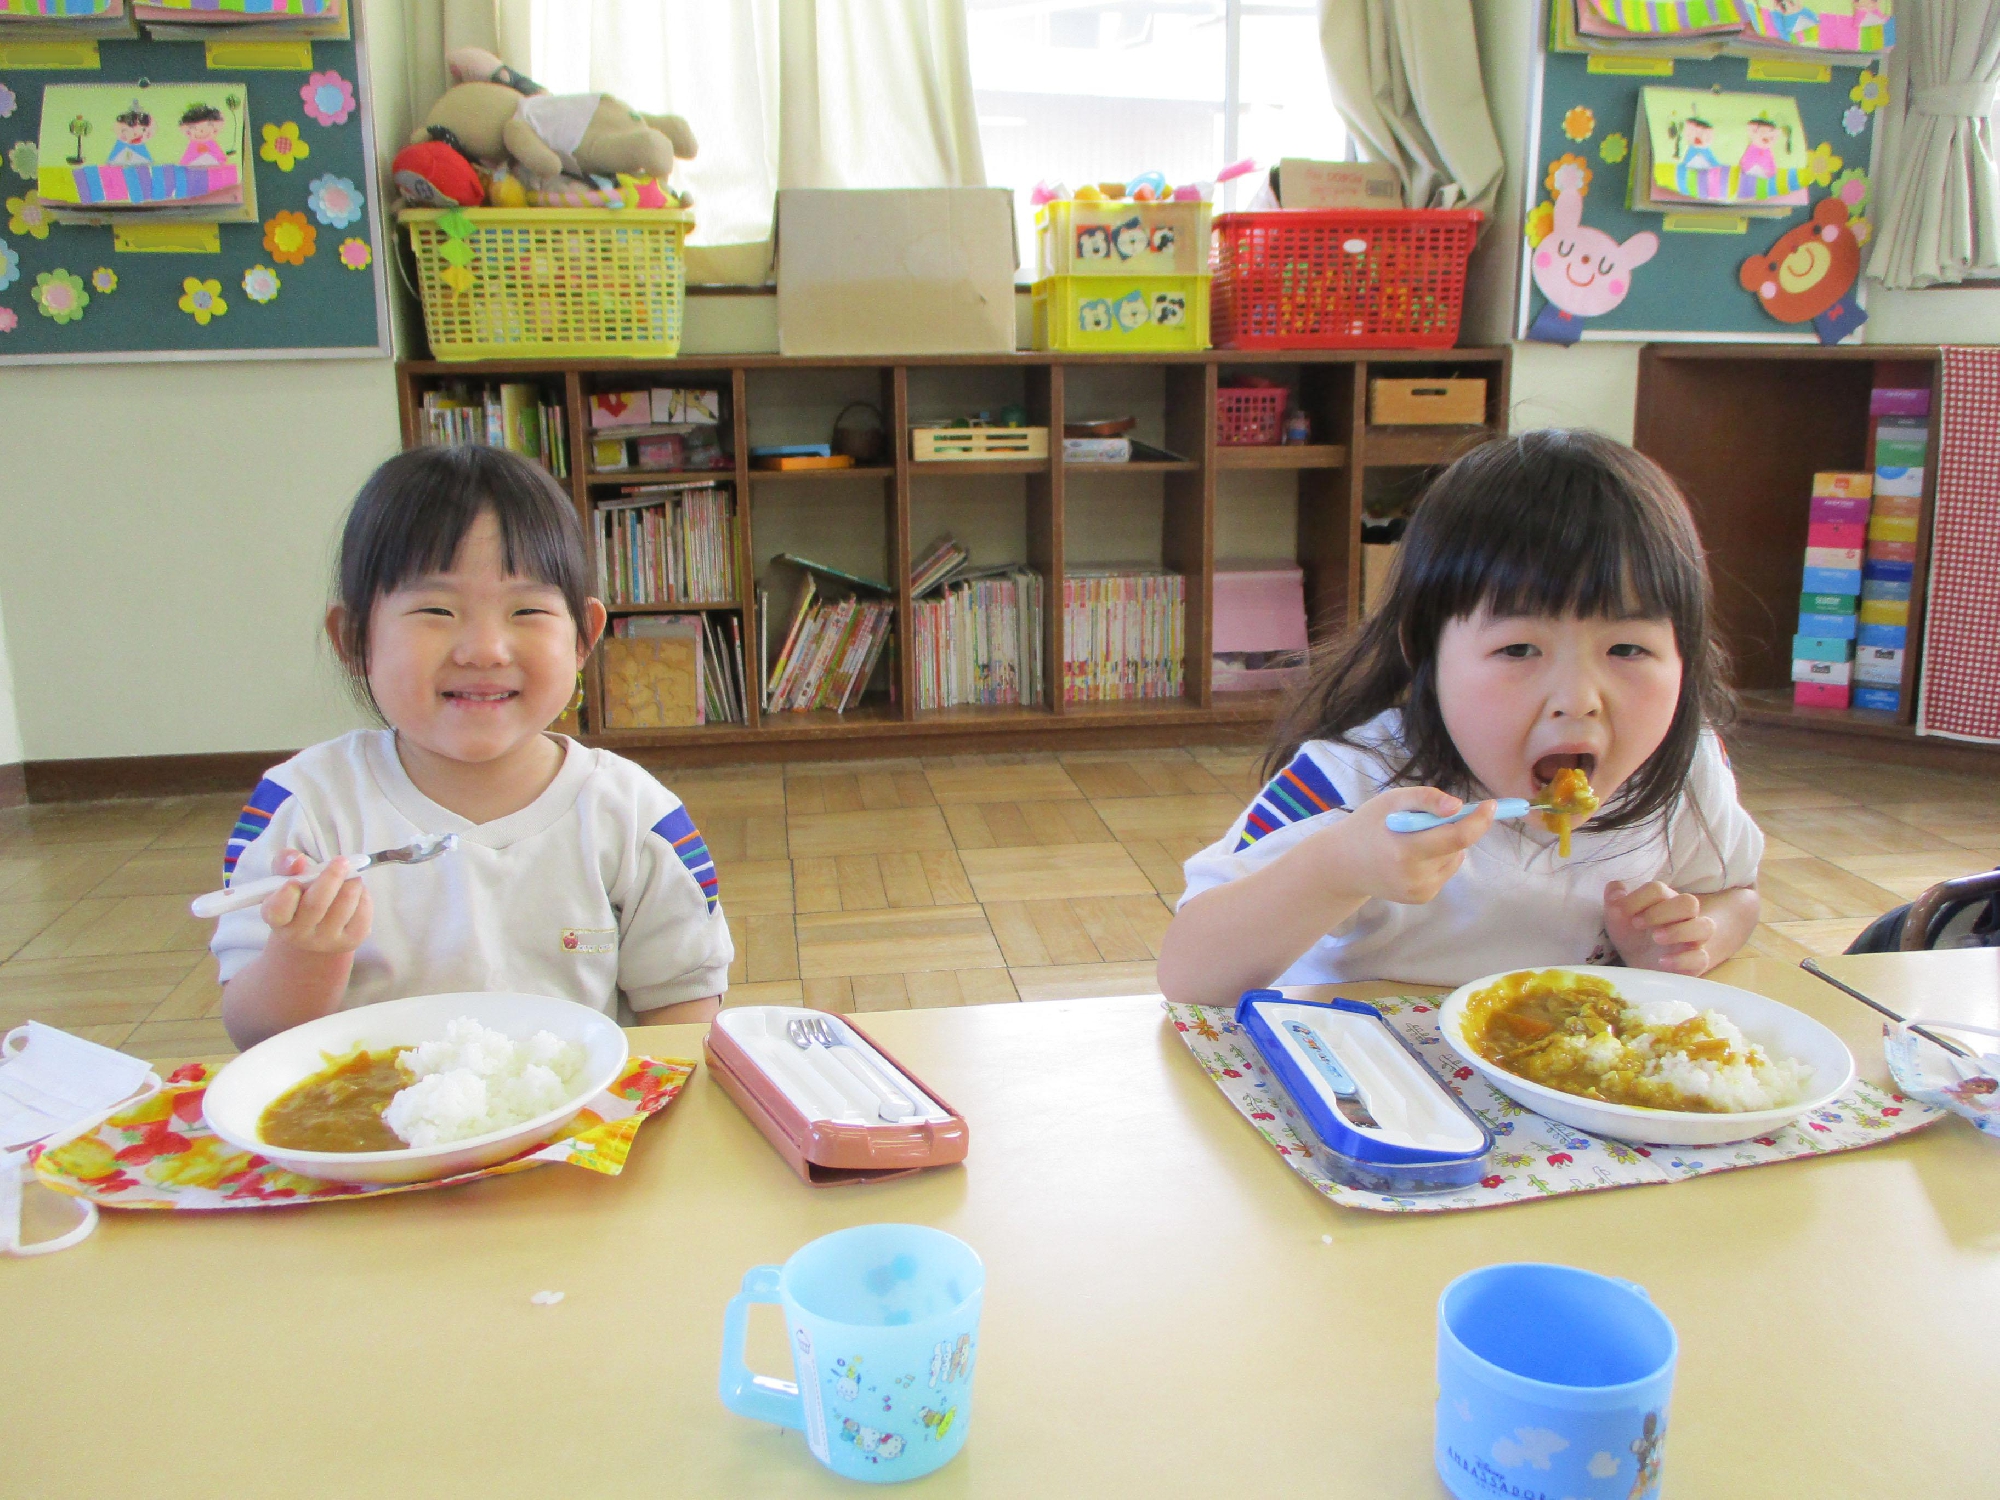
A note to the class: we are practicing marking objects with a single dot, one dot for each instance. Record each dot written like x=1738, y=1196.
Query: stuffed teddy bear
x=496, y=115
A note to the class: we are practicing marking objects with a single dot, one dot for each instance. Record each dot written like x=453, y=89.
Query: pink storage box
x=1845, y=559
x=1843, y=534
x=1906, y=401
x=1833, y=508
x=1257, y=609
x=1820, y=694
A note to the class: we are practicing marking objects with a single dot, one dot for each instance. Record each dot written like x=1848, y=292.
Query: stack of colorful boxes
x=1823, y=649
x=1901, y=438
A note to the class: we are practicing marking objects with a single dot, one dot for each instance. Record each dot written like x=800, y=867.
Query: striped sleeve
x=1298, y=792
x=251, y=823
x=678, y=829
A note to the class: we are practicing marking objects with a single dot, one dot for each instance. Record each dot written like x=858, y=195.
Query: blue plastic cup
x=1551, y=1381
x=883, y=1323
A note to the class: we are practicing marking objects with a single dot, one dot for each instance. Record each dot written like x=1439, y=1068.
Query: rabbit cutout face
x=1584, y=271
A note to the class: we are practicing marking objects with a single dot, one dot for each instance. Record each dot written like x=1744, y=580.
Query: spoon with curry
x=1568, y=798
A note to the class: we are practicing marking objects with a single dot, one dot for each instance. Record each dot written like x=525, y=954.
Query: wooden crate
x=1427, y=403
x=974, y=444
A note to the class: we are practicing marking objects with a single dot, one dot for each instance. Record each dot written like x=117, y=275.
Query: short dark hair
x=135, y=116
x=413, y=514
x=1551, y=522
x=200, y=114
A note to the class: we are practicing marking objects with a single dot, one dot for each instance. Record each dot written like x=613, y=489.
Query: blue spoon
x=1417, y=822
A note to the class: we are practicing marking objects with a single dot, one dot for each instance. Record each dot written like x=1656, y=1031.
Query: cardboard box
x=1900, y=558
x=1843, y=534
x=1895, y=637
x=1881, y=665
x=1820, y=694
x=1844, y=486
x=1882, y=588
x=1805, y=669
x=1827, y=627
x=1427, y=403
x=1376, y=558
x=1830, y=508
x=1338, y=184
x=1826, y=604
x=1815, y=648
x=1892, y=528
x=1844, y=558
x=1885, y=611
x=1886, y=700
x=1832, y=581
x=1260, y=608
x=895, y=271
x=1897, y=505
x=1905, y=401
x=1897, y=480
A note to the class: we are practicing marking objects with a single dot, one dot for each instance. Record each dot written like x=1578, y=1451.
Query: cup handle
x=759, y=1397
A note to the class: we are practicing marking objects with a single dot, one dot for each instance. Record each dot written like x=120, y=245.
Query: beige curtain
x=1938, y=176
x=1405, y=78
x=780, y=93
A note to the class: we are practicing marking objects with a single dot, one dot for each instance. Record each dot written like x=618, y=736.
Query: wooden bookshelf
x=1174, y=394
x=1743, y=428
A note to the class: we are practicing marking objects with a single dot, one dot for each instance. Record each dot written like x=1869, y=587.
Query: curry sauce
x=1567, y=800
x=338, y=1108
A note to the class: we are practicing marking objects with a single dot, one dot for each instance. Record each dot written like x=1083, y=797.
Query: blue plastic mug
x=883, y=1323
x=1551, y=1381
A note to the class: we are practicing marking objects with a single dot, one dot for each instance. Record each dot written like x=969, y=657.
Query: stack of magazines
x=830, y=652
x=513, y=416
x=667, y=544
x=980, y=641
x=945, y=558
x=1124, y=635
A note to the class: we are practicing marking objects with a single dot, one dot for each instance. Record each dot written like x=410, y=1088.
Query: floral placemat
x=161, y=1154
x=1533, y=1157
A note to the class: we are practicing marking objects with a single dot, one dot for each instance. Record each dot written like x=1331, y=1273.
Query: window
x=1078, y=91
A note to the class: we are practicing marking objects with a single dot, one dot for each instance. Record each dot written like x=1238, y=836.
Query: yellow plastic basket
x=1119, y=315
x=577, y=282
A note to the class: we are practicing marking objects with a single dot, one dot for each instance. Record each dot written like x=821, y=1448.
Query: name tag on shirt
x=590, y=939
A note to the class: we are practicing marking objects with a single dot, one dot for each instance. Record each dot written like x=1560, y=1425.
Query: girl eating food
x=462, y=616
x=1549, y=614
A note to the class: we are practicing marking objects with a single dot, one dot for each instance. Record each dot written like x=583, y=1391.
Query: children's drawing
x=1169, y=309
x=1583, y=272
x=1719, y=149
x=1808, y=275
x=1164, y=240
x=164, y=143
x=1093, y=243
x=1129, y=238
x=1094, y=315
x=1131, y=311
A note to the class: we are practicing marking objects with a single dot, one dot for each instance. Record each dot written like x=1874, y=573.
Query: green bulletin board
x=1691, y=288
x=332, y=303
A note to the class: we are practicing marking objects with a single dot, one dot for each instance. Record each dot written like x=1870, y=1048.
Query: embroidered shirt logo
x=590, y=939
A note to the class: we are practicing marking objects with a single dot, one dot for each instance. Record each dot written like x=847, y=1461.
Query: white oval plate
x=238, y=1095
x=1780, y=1030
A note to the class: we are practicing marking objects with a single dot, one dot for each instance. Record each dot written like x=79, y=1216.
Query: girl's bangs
x=433, y=526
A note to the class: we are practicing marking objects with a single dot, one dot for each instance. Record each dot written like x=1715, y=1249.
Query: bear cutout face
x=1094, y=316
x=1093, y=243
x=1169, y=309
x=1809, y=269
x=1132, y=314
x=1129, y=238
x=1584, y=271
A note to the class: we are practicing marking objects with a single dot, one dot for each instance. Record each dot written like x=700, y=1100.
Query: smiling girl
x=462, y=615
x=1550, y=608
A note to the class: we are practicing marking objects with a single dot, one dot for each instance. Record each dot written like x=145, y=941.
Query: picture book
x=1833, y=31
x=187, y=20
x=65, y=18
x=175, y=150
x=1745, y=153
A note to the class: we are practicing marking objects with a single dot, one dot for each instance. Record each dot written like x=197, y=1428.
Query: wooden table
x=1956, y=984
x=1170, y=1311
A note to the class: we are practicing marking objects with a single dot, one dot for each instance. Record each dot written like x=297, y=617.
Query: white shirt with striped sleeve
x=601, y=886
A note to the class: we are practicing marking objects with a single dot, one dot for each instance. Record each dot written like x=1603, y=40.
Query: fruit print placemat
x=160, y=1154
x=1533, y=1157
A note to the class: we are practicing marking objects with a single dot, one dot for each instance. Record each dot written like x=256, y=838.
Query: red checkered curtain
x=1961, y=666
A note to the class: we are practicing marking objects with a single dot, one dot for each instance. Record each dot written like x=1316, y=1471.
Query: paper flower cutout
x=203, y=299
x=104, y=279
x=1852, y=188
x=10, y=265
x=1541, y=220
x=1581, y=177
x=26, y=216
x=1861, y=229
x=283, y=146
x=60, y=295
x=1614, y=148
x=25, y=157
x=329, y=98
x=1855, y=120
x=260, y=283
x=454, y=224
x=355, y=255
x=1579, y=123
x=1869, y=91
x=289, y=238
x=1821, y=165
x=335, y=201
x=7, y=101
x=457, y=278
x=8, y=321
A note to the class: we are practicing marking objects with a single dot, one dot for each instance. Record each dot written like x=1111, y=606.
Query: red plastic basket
x=1341, y=278
x=1249, y=415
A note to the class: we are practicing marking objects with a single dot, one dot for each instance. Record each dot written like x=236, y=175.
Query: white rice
x=1748, y=1078
x=476, y=1080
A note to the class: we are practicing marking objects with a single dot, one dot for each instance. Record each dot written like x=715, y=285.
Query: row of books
x=1124, y=635
x=671, y=671
x=830, y=652
x=980, y=641
x=175, y=20
x=667, y=544
x=944, y=559
x=1827, y=31
x=512, y=416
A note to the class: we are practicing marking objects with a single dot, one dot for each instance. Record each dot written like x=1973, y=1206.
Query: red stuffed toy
x=433, y=174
